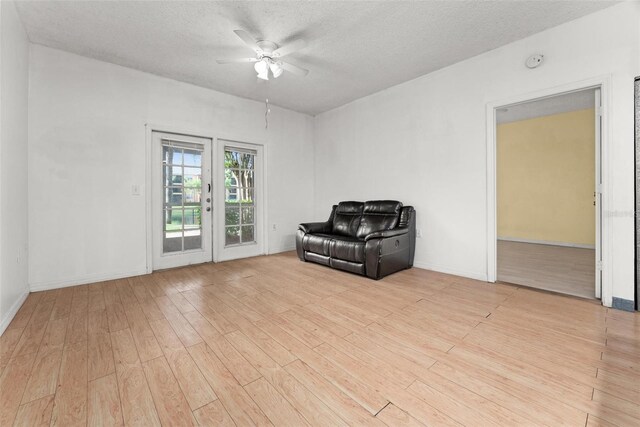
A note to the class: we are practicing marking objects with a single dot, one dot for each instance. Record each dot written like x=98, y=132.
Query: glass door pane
x=182, y=189
x=239, y=184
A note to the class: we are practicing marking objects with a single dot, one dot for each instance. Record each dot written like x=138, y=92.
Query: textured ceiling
x=573, y=101
x=355, y=48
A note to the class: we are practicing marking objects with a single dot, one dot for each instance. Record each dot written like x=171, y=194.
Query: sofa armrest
x=387, y=233
x=315, y=227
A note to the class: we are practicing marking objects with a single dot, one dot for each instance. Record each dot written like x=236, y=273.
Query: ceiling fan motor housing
x=267, y=47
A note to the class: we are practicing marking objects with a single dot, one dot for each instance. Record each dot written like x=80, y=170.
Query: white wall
x=14, y=72
x=87, y=147
x=424, y=142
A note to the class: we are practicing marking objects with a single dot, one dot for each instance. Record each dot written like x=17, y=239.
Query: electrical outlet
x=274, y=227
x=135, y=190
x=419, y=233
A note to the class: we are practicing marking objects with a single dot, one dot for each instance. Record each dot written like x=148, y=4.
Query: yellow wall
x=545, y=178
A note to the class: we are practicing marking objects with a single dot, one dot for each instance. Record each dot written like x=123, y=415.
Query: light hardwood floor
x=272, y=340
x=561, y=269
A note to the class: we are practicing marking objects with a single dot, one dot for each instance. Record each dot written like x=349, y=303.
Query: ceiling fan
x=268, y=56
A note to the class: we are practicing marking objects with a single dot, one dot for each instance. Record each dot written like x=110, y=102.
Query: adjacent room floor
x=560, y=269
x=275, y=340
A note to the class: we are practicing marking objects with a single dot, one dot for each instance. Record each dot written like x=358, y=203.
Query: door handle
x=209, y=188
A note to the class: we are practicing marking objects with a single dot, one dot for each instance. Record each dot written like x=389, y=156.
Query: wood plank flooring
x=560, y=269
x=274, y=341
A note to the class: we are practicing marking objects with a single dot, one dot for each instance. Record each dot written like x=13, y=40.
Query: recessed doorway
x=548, y=193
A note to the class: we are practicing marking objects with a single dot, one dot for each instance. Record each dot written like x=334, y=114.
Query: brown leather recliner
x=374, y=238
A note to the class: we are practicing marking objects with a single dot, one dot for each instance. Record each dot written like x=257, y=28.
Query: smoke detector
x=534, y=61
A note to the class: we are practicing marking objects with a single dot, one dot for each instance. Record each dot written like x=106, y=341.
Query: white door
x=240, y=179
x=181, y=200
x=597, y=193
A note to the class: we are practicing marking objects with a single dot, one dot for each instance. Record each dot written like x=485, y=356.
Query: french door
x=241, y=201
x=181, y=200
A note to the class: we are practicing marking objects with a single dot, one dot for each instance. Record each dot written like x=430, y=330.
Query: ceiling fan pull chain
x=266, y=113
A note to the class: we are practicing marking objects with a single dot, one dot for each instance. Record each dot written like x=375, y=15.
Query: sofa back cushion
x=379, y=215
x=347, y=218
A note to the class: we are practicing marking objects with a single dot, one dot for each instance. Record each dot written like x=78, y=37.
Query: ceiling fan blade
x=248, y=40
x=290, y=48
x=236, y=60
x=294, y=69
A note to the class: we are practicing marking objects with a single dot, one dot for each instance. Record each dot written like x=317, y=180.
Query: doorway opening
x=548, y=188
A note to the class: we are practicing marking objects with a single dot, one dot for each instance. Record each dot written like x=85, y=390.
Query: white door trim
x=604, y=84
x=598, y=188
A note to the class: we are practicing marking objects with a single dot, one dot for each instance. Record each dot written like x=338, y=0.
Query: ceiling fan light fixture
x=261, y=67
x=276, y=70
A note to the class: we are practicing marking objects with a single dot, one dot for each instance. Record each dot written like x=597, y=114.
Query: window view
x=182, y=180
x=239, y=166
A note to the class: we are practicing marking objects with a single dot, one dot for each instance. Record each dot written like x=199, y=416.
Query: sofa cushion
x=347, y=218
x=320, y=259
x=317, y=243
x=379, y=215
x=347, y=248
x=352, y=267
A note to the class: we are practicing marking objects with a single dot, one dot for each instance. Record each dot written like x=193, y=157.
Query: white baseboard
x=447, y=270
x=547, y=242
x=8, y=316
x=83, y=280
x=281, y=249
x=93, y=278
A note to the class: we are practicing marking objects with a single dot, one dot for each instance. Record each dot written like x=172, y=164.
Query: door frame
x=214, y=136
x=604, y=84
